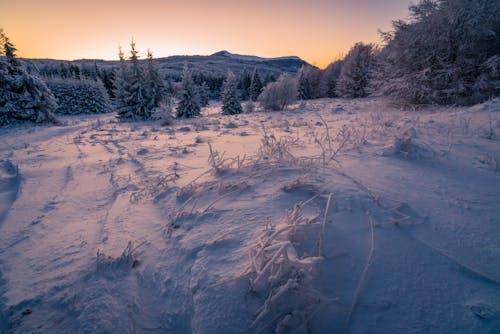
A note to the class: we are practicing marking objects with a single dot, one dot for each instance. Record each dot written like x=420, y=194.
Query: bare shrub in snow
x=405, y=146
x=220, y=164
x=284, y=273
x=126, y=261
x=276, y=149
x=278, y=95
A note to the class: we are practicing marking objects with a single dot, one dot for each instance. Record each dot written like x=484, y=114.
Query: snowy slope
x=335, y=216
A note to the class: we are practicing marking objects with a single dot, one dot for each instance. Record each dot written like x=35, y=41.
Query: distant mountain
x=216, y=64
x=220, y=62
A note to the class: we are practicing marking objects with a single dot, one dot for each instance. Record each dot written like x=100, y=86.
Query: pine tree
x=188, y=105
x=355, y=74
x=255, y=86
x=155, y=87
x=22, y=95
x=230, y=96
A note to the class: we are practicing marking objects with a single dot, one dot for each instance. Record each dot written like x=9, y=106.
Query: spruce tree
x=188, y=105
x=131, y=91
x=120, y=83
x=137, y=99
x=22, y=96
x=255, y=86
x=155, y=87
x=230, y=96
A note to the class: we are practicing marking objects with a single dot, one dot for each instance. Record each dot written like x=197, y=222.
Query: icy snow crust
x=335, y=216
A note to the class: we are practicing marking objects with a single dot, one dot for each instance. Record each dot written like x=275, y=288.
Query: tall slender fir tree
x=230, y=96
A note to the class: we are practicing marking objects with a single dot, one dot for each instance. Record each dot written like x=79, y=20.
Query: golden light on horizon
x=317, y=30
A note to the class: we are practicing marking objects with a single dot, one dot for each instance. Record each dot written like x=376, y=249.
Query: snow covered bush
x=278, y=95
x=446, y=53
x=23, y=96
x=164, y=113
x=79, y=96
x=230, y=96
x=355, y=74
x=188, y=105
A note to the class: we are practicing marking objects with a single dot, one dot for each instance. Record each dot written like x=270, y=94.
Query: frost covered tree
x=137, y=102
x=304, y=85
x=255, y=86
x=329, y=78
x=23, y=96
x=278, y=95
x=231, y=104
x=309, y=83
x=84, y=96
x=204, y=94
x=131, y=88
x=189, y=104
x=447, y=52
x=155, y=87
x=356, y=70
x=120, y=82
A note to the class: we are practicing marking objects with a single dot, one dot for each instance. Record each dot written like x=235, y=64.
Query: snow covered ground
x=335, y=216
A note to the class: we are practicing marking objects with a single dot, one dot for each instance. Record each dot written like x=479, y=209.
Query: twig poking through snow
x=320, y=239
x=363, y=276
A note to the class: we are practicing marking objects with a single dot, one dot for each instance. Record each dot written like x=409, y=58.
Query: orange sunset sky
x=318, y=31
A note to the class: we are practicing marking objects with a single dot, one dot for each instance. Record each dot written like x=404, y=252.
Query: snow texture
x=336, y=215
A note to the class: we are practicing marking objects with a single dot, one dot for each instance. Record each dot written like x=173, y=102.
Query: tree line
x=445, y=52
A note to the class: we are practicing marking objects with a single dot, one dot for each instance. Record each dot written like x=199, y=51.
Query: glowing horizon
x=317, y=31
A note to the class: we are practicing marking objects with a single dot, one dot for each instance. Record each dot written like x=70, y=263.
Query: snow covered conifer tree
x=22, y=95
x=230, y=96
x=255, y=86
x=442, y=54
x=204, y=94
x=137, y=99
x=355, y=74
x=131, y=94
x=120, y=84
x=329, y=78
x=189, y=104
x=304, y=85
x=155, y=87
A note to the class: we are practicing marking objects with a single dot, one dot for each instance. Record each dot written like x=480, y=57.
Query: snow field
x=334, y=216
